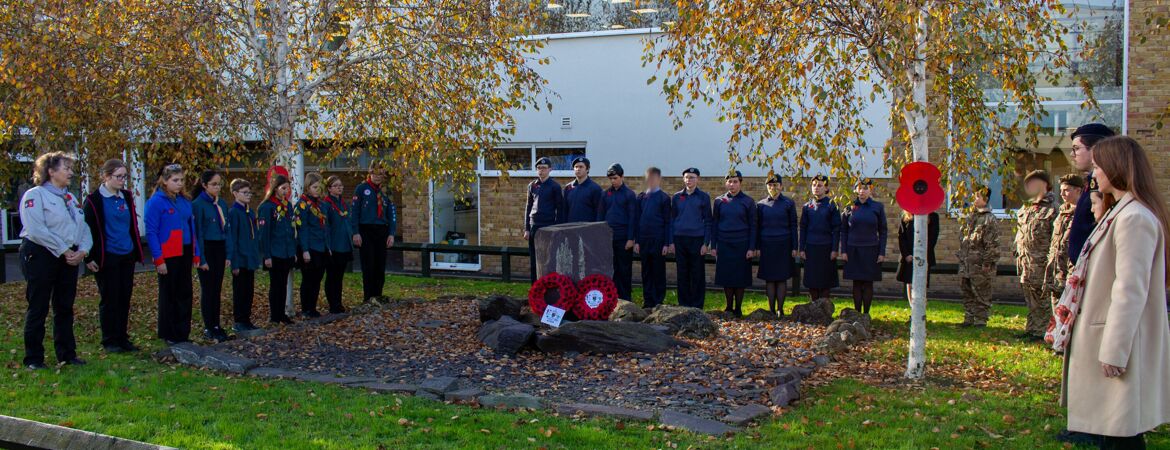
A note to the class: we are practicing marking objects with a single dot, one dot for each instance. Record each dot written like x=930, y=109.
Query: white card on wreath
x=552, y=316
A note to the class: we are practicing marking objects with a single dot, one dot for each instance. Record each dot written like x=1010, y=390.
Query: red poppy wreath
x=598, y=298
x=552, y=289
x=920, y=191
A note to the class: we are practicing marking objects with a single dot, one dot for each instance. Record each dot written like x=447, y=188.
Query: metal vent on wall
x=566, y=123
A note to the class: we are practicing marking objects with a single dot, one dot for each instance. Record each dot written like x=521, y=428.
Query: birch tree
x=792, y=78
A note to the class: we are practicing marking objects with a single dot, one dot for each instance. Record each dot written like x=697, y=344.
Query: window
x=521, y=158
x=454, y=221
x=570, y=16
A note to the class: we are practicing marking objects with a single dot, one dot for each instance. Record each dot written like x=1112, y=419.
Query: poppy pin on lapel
x=920, y=191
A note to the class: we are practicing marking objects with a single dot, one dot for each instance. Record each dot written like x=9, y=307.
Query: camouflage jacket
x=1058, y=262
x=1033, y=236
x=979, y=244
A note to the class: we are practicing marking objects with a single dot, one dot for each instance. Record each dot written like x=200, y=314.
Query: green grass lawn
x=984, y=390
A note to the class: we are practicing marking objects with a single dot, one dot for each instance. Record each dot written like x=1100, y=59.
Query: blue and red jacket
x=170, y=225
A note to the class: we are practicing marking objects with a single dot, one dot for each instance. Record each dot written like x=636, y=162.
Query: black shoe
x=282, y=320
x=738, y=313
x=114, y=349
x=337, y=311
x=75, y=361
x=216, y=334
x=310, y=314
x=36, y=366
x=238, y=327
x=1078, y=438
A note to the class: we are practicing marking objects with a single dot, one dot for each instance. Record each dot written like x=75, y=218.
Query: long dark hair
x=1124, y=163
x=278, y=180
x=204, y=178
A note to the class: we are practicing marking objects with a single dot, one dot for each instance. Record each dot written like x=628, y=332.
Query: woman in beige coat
x=1117, y=366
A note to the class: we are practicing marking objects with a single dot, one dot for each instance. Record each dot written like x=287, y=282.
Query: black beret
x=582, y=160
x=1073, y=180
x=1093, y=185
x=1093, y=129
x=865, y=182
x=775, y=179
x=544, y=161
x=821, y=178
x=984, y=191
x=691, y=170
x=734, y=174
x=1040, y=175
x=615, y=169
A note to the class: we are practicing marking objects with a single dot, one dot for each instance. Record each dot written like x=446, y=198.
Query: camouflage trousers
x=1039, y=308
x=976, y=299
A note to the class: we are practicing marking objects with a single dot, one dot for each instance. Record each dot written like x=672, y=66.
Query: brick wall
x=1149, y=85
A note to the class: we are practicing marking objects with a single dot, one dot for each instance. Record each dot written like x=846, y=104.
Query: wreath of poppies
x=553, y=289
x=598, y=298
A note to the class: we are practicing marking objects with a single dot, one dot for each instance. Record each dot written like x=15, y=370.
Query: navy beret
x=734, y=174
x=821, y=178
x=865, y=182
x=1093, y=129
x=582, y=160
x=615, y=169
x=691, y=170
x=544, y=161
x=775, y=179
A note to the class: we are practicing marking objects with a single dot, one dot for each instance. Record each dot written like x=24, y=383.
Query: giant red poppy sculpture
x=920, y=191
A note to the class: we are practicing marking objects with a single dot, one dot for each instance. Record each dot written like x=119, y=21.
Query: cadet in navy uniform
x=211, y=236
x=582, y=195
x=692, y=232
x=313, y=236
x=777, y=242
x=653, y=237
x=820, y=230
x=863, y=243
x=278, y=244
x=618, y=208
x=1083, y=140
x=733, y=234
x=545, y=206
x=374, y=223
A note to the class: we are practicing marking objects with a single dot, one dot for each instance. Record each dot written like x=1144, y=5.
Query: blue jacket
x=655, y=223
x=820, y=224
x=169, y=226
x=210, y=224
x=340, y=230
x=278, y=239
x=312, y=225
x=692, y=214
x=366, y=210
x=243, y=238
x=582, y=202
x=619, y=208
x=734, y=218
x=777, y=220
x=1082, y=225
x=864, y=225
x=545, y=205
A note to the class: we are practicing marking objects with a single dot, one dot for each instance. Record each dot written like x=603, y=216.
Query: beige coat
x=1122, y=322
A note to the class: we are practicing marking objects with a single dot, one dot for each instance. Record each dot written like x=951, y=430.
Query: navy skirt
x=775, y=260
x=820, y=270
x=863, y=264
x=732, y=268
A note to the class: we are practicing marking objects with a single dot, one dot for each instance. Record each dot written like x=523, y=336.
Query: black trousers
x=278, y=287
x=312, y=273
x=51, y=281
x=692, y=273
x=175, y=294
x=211, y=282
x=653, y=273
x=115, y=282
x=1137, y=442
x=373, y=256
x=243, y=289
x=334, y=279
x=623, y=269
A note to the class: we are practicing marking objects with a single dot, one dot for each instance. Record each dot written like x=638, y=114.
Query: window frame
x=483, y=171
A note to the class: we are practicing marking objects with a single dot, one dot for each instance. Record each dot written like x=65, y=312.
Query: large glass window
x=568, y=16
x=454, y=221
x=519, y=159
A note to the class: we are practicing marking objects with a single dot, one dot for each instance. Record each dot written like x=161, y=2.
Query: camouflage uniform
x=1058, y=262
x=978, y=253
x=1033, y=235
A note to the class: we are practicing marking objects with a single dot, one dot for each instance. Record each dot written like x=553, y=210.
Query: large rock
x=511, y=401
x=605, y=338
x=684, y=321
x=627, y=311
x=853, y=316
x=495, y=306
x=575, y=249
x=694, y=424
x=747, y=413
x=762, y=315
x=587, y=409
x=816, y=312
x=199, y=356
x=505, y=336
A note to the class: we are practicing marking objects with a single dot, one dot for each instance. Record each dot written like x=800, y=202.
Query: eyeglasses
x=243, y=192
x=121, y=177
x=1078, y=148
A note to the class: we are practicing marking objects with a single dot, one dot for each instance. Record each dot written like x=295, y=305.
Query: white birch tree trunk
x=918, y=121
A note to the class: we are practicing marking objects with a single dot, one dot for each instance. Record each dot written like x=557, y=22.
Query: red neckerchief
x=281, y=206
x=342, y=209
x=378, y=193
x=314, y=208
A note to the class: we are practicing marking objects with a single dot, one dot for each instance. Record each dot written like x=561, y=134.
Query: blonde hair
x=311, y=179
x=47, y=161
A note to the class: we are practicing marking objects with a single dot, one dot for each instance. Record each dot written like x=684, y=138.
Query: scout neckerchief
x=251, y=218
x=281, y=206
x=214, y=202
x=1068, y=307
x=314, y=208
x=377, y=193
x=338, y=205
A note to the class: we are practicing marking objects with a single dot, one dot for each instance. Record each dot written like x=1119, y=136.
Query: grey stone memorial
x=575, y=249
